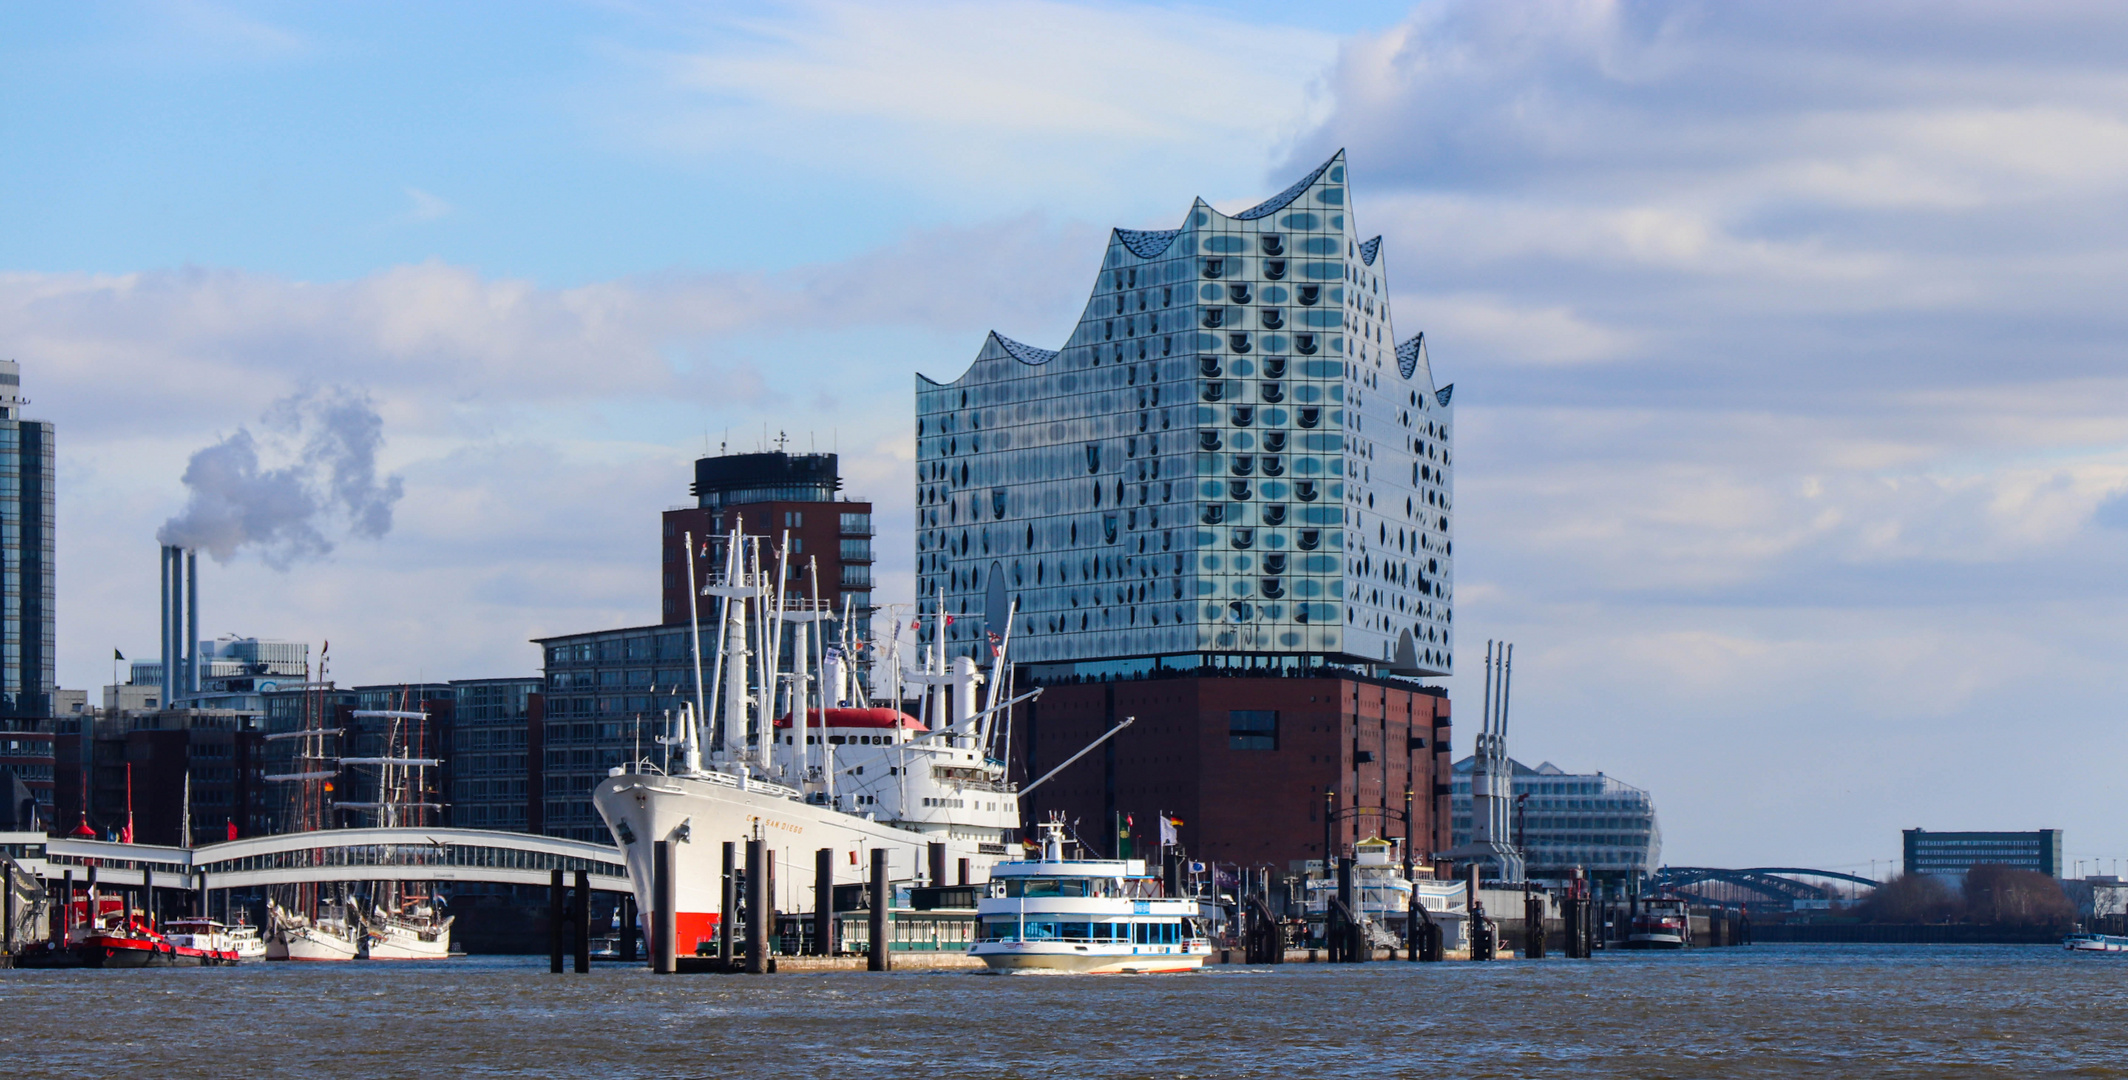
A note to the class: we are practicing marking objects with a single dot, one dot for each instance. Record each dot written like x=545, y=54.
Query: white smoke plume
x=328, y=442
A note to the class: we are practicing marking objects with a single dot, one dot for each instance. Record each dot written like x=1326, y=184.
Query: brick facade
x=1364, y=739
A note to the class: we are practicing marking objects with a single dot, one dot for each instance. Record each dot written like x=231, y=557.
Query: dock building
x=1222, y=505
x=1561, y=820
x=1951, y=854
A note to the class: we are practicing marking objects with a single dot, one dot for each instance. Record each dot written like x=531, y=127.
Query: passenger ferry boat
x=780, y=743
x=1663, y=923
x=1105, y=916
x=2111, y=943
x=249, y=945
x=210, y=939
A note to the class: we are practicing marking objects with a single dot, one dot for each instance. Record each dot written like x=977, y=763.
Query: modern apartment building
x=1951, y=854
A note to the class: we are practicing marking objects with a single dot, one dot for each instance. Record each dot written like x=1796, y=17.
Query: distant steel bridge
x=1766, y=885
x=328, y=855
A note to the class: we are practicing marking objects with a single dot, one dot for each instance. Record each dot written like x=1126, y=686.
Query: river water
x=1762, y=1010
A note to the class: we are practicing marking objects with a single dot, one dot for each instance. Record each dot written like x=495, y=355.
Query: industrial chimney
x=180, y=623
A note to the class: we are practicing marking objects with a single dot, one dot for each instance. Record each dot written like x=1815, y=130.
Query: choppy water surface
x=1766, y=1010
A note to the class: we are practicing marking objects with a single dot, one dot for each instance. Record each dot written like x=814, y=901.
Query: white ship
x=795, y=757
x=249, y=945
x=1091, y=916
x=405, y=929
x=1382, y=897
x=322, y=934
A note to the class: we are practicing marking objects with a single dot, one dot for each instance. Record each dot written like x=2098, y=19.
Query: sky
x=1793, y=420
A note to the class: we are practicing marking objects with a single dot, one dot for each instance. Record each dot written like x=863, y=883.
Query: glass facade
x=1605, y=826
x=607, y=698
x=1231, y=454
x=26, y=581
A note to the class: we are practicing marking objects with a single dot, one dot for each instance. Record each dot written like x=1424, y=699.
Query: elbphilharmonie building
x=1233, y=461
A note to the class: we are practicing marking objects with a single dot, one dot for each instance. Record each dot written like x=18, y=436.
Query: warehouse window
x=1252, y=729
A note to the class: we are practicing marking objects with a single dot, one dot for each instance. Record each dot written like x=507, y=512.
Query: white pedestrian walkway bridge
x=416, y=854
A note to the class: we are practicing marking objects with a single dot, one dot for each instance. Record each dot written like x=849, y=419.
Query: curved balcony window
x=1215, y=268
x=1305, y=490
x=1308, y=415
x=1274, y=367
x=1272, y=244
x=1242, y=464
x=1309, y=539
x=1273, y=467
x=1239, y=292
x=1275, y=269
x=1274, y=514
x=1242, y=415
x=1272, y=392
x=1238, y=490
x=1310, y=295
x=1212, y=514
x=1241, y=539
x=1212, y=318
x=1093, y=457
x=1207, y=440
x=1239, y=342
x=1274, y=441
x=1306, y=344
x=1208, y=366
x=1213, y=391
x=1108, y=527
x=1271, y=318
x=997, y=502
x=1273, y=588
x=1274, y=562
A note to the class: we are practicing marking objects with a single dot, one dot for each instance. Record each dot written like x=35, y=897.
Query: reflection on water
x=1765, y=1010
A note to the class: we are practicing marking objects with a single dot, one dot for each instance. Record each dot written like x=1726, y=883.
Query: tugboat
x=210, y=940
x=1059, y=914
x=117, y=938
x=249, y=945
x=1663, y=923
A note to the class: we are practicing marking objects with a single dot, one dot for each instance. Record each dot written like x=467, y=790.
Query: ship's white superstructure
x=790, y=752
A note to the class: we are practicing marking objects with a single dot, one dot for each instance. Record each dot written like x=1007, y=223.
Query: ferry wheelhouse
x=1104, y=916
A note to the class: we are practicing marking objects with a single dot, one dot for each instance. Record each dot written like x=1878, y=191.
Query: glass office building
x=1232, y=461
x=26, y=584
x=1562, y=820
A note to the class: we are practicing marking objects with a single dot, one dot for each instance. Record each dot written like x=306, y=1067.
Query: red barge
x=117, y=938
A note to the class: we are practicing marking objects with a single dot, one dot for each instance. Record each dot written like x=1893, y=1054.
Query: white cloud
x=426, y=207
x=1791, y=422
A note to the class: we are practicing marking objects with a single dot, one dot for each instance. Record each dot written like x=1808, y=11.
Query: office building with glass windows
x=1561, y=820
x=1231, y=461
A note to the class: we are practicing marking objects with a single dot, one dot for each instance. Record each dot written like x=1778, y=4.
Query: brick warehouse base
x=1249, y=787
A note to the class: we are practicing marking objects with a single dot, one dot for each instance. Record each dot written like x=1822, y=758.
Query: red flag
x=949, y=620
x=232, y=828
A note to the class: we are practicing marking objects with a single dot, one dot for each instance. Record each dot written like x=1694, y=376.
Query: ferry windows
x=1252, y=729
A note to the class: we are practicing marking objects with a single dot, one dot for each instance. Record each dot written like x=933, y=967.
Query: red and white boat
x=1662, y=923
x=117, y=938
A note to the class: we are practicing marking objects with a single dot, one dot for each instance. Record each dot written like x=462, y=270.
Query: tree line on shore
x=1992, y=896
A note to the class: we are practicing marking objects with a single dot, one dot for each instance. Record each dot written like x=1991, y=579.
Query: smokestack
x=192, y=679
x=180, y=623
x=163, y=623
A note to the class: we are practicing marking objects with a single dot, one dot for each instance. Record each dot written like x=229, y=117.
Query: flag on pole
x=1167, y=832
x=116, y=655
x=996, y=643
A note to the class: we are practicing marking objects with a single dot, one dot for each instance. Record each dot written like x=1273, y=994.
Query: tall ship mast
x=401, y=921
x=779, y=742
x=310, y=921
